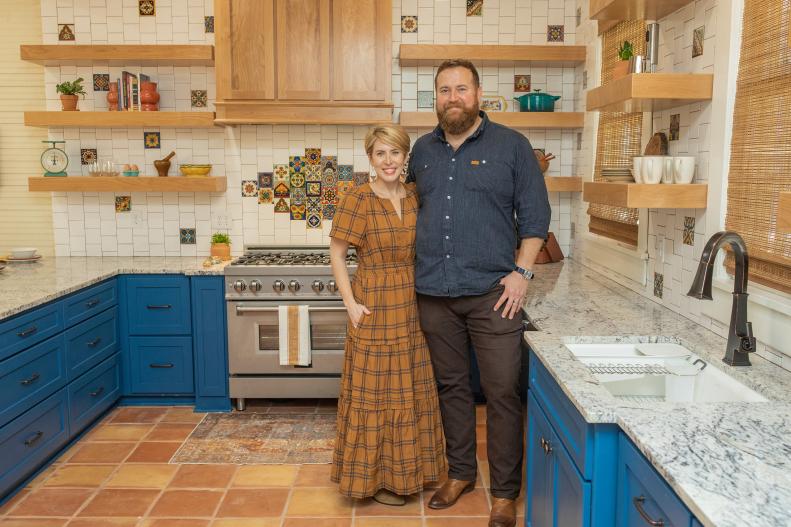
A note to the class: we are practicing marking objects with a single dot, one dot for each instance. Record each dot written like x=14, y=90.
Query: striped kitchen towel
x=294, y=334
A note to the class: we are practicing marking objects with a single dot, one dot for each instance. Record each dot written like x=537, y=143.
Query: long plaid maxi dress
x=389, y=425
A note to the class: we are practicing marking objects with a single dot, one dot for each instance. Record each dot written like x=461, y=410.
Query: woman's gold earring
x=372, y=174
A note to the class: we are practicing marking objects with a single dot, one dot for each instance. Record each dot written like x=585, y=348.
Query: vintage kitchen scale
x=54, y=159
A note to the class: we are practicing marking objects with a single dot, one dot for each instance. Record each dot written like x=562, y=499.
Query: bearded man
x=478, y=183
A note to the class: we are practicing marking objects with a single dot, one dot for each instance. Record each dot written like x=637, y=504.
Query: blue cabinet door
x=210, y=343
x=572, y=493
x=90, y=342
x=88, y=302
x=20, y=332
x=158, y=305
x=93, y=393
x=540, y=468
x=160, y=365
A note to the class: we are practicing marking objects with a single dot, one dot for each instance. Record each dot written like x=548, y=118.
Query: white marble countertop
x=730, y=463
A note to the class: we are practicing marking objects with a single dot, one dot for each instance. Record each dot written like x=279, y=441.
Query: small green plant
x=219, y=237
x=626, y=50
x=71, y=88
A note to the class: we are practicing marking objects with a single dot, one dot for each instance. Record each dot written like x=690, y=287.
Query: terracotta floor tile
x=42, y=476
x=480, y=521
x=323, y=522
x=471, y=504
x=314, y=476
x=31, y=522
x=248, y=522
x=6, y=507
x=138, y=414
x=319, y=502
x=153, y=452
x=52, y=502
x=187, y=503
x=104, y=522
x=203, y=476
x=266, y=476
x=480, y=432
x=79, y=476
x=102, y=453
x=182, y=414
x=480, y=413
x=120, y=502
x=247, y=503
x=154, y=476
x=388, y=522
x=369, y=507
x=171, y=522
x=483, y=473
x=120, y=432
x=171, y=432
x=480, y=451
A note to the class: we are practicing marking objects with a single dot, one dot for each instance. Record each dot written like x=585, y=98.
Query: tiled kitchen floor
x=118, y=475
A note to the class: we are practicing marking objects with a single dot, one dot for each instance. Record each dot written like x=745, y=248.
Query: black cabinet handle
x=98, y=391
x=638, y=504
x=30, y=441
x=30, y=380
x=162, y=306
x=92, y=303
x=94, y=342
x=161, y=365
x=26, y=333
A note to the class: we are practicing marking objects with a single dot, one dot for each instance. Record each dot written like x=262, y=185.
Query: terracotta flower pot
x=69, y=103
x=221, y=250
x=149, y=97
x=621, y=69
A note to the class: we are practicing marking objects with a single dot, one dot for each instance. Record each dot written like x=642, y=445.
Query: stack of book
x=129, y=90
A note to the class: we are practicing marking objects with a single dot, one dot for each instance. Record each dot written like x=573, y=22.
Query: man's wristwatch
x=527, y=274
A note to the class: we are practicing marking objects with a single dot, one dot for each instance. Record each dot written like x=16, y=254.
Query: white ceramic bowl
x=23, y=252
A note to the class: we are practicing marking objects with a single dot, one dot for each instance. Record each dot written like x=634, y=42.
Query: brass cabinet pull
x=638, y=504
x=26, y=333
x=159, y=306
x=30, y=380
x=98, y=391
x=161, y=365
x=30, y=441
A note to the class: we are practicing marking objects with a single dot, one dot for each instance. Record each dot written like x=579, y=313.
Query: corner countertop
x=730, y=463
x=27, y=285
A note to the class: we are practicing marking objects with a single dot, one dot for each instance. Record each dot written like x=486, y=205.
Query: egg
x=126, y=167
x=133, y=167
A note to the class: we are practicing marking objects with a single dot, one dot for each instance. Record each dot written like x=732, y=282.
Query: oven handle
x=274, y=309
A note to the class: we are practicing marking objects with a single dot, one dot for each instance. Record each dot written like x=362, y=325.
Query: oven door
x=253, y=338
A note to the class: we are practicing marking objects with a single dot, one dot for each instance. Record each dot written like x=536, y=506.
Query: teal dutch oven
x=537, y=102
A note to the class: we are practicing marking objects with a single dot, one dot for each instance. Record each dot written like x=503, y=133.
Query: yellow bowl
x=195, y=170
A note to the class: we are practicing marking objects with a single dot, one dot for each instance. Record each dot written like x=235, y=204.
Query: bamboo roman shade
x=761, y=147
x=618, y=138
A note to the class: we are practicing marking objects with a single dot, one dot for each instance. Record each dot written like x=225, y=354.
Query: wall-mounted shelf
x=433, y=54
x=784, y=213
x=634, y=9
x=512, y=119
x=127, y=184
x=120, y=119
x=643, y=196
x=153, y=54
x=563, y=184
x=650, y=92
x=303, y=112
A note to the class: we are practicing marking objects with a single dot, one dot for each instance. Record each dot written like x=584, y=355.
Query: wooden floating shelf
x=127, y=184
x=155, y=54
x=634, y=9
x=563, y=184
x=643, y=196
x=650, y=92
x=414, y=54
x=231, y=113
x=512, y=119
x=120, y=119
x=784, y=213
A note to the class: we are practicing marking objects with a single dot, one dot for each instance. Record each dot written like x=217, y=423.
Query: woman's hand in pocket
x=356, y=312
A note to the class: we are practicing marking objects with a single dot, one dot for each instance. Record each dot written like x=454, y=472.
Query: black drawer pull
x=94, y=342
x=91, y=303
x=30, y=441
x=161, y=365
x=546, y=446
x=638, y=504
x=26, y=333
x=98, y=391
x=30, y=380
x=162, y=306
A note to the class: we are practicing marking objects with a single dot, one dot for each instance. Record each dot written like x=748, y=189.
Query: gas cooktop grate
x=288, y=258
x=628, y=369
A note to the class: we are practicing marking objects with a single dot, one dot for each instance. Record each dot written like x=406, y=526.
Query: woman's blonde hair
x=391, y=134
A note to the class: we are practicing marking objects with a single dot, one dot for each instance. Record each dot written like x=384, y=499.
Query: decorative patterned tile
x=65, y=31
x=151, y=139
x=280, y=173
x=675, y=126
x=295, y=164
x=474, y=7
x=329, y=196
x=123, y=203
x=297, y=180
x=281, y=190
x=328, y=211
x=360, y=178
x=345, y=172
x=298, y=212
x=314, y=220
x=555, y=33
x=313, y=156
x=187, y=236
x=101, y=82
x=329, y=162
x=249, y=188
x=298, y=195
x=88, y=155
x=265, y=195
x=199, y=98
x=330, y=179
x=265, y=179
x=313, y=189
x=208, y=24
x=521, y=83
x=312, y=172
x=146, y=7
x=282, y=206
x=659, y=280
x=408, y=24
x=689, y=230
x=313, y=206
x=425, y=99
x=697, y=41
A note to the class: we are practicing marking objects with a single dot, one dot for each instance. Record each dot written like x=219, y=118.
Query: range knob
x=332, y=287
x=293, y=286
x=318, y=286
x=255, y=286
x=239, y=286
x=279, y=286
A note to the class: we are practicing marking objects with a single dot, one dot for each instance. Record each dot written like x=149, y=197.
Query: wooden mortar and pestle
x=543, y=159
x=163, y=165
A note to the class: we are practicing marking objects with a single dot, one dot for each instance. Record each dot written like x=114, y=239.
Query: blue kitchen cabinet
x=160, y=365
x=93, y=393
x=157, y=305
x=210, y=343
x=26, y=329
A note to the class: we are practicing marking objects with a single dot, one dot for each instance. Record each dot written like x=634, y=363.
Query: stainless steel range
x=256, y=284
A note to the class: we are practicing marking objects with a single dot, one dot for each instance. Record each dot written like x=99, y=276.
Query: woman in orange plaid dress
x=389, y=441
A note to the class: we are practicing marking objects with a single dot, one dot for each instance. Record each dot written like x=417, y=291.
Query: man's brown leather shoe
x=503, y=513
x=449, y=492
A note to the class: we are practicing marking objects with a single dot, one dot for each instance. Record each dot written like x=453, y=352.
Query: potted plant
x=625, y=52
x=221, y=246
x=68, y=94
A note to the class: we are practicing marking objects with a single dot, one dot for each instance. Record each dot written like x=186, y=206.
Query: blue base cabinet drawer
x=158, y=305
x=160, y=365
x=642, y=495
x=90, y=342
x=25, y=330
x=30, y=377
x=88, y=302
x=31, y=438
x=93, y=393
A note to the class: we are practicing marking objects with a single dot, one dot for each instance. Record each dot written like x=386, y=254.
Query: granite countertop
x=730, y=463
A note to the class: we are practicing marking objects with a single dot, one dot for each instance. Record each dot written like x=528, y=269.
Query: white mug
x=667, y=170
x=652, y=169
x=683, y=169
x=637, y=167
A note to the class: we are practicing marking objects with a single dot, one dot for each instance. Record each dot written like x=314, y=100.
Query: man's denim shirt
x=474, y=204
